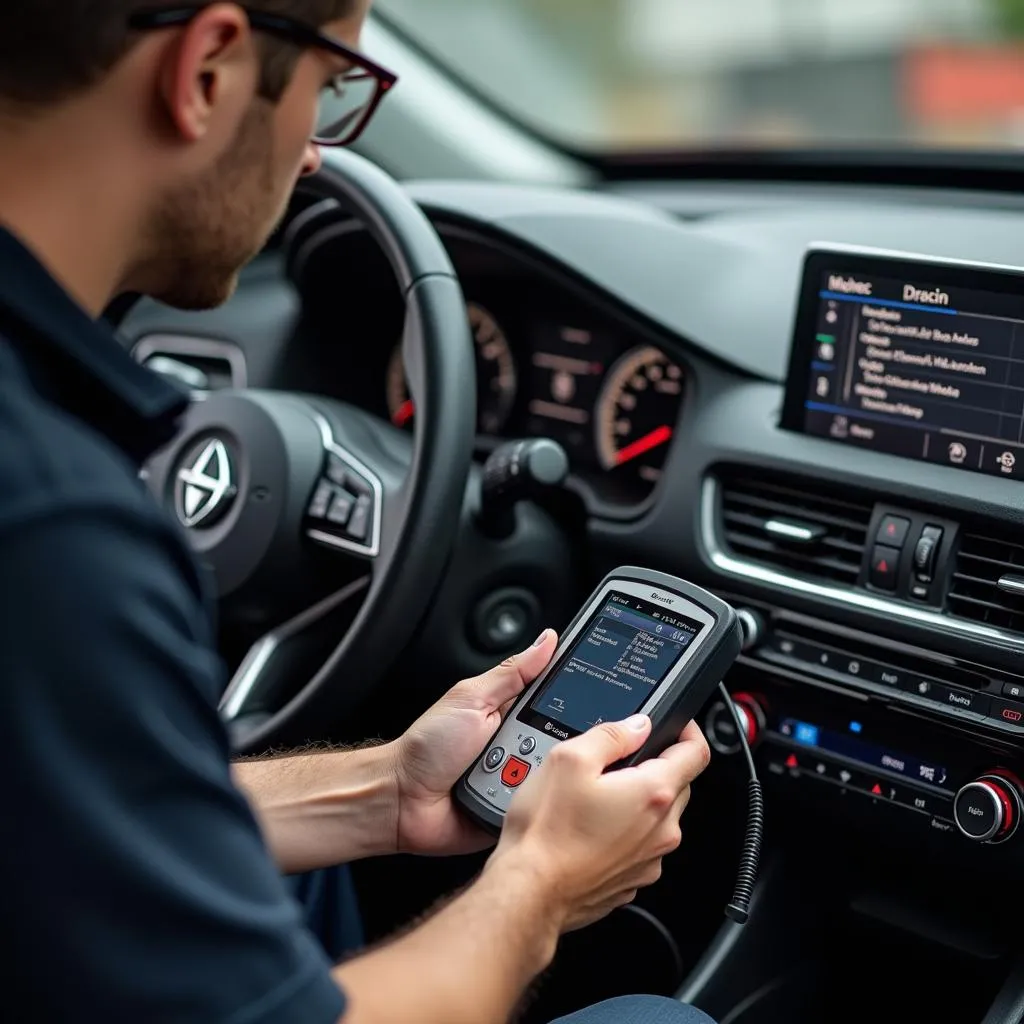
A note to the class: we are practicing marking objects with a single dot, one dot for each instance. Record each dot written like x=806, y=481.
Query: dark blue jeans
x=637, y=1010
x=332, y=914
x=331, y=909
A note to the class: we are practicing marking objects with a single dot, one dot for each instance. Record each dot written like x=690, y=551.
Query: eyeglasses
x=347, y=103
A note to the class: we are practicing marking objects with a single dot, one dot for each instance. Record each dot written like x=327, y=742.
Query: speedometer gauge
x=495, y=371
x=637, y=413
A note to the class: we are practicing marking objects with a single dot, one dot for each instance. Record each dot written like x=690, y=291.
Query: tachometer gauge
x=637, y=413
x=495, y=369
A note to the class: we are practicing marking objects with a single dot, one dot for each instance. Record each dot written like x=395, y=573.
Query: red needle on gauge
x=658, y=436
x=404, y=413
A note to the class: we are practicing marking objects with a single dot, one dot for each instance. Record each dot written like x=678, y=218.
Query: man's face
x=209, y=228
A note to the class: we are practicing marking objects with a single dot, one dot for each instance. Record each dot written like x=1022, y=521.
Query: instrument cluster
x=553, y=359
x=613, y=402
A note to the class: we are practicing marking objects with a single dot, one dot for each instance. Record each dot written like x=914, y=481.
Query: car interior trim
x=200, y=348
x=254, y=664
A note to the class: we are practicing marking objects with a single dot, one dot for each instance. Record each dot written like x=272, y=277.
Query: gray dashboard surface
x=728, y=281
x=724, y=279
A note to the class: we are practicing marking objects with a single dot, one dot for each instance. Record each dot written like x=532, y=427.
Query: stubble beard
x=208, y=229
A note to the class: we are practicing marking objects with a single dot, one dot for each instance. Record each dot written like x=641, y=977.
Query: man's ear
x=209, y=74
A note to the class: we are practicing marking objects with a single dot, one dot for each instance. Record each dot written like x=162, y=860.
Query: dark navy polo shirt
x=136, y=885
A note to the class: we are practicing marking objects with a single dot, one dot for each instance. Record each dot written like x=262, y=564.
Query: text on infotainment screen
x=911, y=368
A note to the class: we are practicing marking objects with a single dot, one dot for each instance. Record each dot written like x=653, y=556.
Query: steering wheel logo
x=205, y=485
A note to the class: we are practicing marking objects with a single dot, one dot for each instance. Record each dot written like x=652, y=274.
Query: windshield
x=678, y=74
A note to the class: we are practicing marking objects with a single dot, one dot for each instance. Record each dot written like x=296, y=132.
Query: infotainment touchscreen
x=914, y=357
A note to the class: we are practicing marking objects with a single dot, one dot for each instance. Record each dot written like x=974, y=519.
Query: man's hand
x=432, y=755
x=577, y=842
x=593, y=837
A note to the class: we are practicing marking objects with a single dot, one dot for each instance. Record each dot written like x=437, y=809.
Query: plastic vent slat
x=977, y=601
x=974, y=589
x=779, y=510
x=966, y=577
x=748, y=503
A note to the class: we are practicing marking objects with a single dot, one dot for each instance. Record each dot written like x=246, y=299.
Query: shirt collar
x=79, y=362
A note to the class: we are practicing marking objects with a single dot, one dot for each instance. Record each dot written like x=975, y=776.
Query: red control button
x=893, y=531
x=514, y=772
x=885, y=566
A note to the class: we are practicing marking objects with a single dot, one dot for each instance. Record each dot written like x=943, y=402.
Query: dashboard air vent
x=988, y=581
x=794, y=525
x=202, y=364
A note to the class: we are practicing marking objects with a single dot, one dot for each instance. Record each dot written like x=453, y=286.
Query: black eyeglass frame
x=289, y=30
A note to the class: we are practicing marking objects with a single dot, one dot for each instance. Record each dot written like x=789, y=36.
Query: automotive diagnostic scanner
x=643, y=643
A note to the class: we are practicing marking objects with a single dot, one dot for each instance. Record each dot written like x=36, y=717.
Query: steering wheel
x=279, y=491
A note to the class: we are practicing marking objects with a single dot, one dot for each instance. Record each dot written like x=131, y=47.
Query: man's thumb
x=513, y=675
x=612, y=741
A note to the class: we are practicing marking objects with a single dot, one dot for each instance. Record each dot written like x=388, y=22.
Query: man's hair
x=53, y=49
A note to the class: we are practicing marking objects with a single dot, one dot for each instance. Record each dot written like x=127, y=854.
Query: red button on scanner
x=514, y=772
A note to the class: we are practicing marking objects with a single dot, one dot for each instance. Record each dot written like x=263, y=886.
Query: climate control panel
x=868, y=760
x=826, y=655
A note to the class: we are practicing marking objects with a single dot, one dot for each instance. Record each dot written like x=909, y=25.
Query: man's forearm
x=321, y=809
x=469, y=964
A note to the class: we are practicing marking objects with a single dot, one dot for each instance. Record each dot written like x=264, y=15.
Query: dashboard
x=807, y=400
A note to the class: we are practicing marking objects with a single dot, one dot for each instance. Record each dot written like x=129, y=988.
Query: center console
x=912, y=650
x=881, y=683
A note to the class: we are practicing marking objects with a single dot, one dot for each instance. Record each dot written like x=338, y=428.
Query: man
x=154, y=153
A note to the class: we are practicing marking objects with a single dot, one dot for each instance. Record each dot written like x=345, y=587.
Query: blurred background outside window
x=687, y=74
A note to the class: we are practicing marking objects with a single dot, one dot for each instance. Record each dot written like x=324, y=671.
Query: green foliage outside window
x=1010, y=17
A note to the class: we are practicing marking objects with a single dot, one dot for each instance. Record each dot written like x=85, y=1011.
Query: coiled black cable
x=738, y=909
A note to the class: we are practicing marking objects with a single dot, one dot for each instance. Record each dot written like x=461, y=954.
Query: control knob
x=720, y=726
x=752, y=627
x=988, y=810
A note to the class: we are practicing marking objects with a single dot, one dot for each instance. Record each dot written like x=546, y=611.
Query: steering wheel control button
x=359, y=524
x=358, y=486
x=351, y=519
x=337, y=471
x=492, y=762
x=885, y=567
x=322, y=499
x=893, y=531
x=341, y=509
x=514, y=773
x=528, y=746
